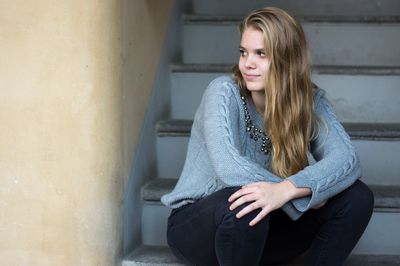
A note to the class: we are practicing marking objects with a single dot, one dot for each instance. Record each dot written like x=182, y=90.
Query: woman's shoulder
x=225, y=79
x=223, y=84
x=319, y=94
x=221, y=92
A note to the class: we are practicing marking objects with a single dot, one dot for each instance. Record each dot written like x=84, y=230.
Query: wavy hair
x=289, y=118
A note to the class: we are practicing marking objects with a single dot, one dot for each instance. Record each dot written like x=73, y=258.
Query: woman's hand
x=263, y=195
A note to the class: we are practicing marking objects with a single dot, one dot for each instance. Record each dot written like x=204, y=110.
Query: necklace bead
x=255, y=133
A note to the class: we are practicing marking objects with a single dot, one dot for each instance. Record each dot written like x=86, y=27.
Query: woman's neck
x=258, y=98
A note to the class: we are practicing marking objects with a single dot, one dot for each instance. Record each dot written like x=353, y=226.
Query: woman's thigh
x=192, y=228
x=345, y=214
x=287, y=239
x=208, y=233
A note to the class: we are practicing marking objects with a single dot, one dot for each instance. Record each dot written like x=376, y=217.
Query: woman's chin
x=253, y=88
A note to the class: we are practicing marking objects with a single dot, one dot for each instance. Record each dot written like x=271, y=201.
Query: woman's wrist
x=292, y=192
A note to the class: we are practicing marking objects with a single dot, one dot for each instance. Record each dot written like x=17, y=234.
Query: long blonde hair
x=289, y=118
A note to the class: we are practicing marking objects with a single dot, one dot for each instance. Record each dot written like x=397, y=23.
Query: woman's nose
x=249, y=62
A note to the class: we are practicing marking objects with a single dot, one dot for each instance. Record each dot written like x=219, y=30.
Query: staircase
x=356, y=58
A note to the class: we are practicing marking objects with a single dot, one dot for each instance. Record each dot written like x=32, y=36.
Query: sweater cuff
x=304, y=203
x=291, y=211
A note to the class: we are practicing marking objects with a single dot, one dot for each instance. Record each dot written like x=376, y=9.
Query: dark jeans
x=208, y=233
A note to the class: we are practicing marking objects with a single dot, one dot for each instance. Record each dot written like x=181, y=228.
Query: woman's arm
x=337, y=165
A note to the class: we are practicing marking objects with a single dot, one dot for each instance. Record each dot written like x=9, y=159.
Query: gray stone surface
x=235, y=20
x=302, y=8
x=349, y=70
x=373, y=260
x=162, y=256
x=151, y=255
x=218, y=44
x=386, y=196
x=154, y=189
x=358, y=96
x=174, y=127
x=372, y=131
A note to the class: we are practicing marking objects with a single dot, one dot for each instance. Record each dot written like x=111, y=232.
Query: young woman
x=270, y=172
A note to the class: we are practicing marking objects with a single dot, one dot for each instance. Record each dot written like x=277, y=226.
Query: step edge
x=197, y=19
x=317, y=69
x=150, y=250
x=368, y=131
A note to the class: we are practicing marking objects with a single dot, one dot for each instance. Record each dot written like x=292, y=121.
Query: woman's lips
x=250, y=77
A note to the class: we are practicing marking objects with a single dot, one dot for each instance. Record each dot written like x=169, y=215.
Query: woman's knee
x=361, y=199
x=226, y=215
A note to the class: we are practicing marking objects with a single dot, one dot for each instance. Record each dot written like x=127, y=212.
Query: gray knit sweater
x=222, y=154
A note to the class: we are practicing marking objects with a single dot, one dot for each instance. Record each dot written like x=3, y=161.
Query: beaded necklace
x=254, y=132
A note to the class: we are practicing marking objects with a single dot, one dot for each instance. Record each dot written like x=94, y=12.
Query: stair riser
x=303, y=8
x=381, y=236
x=154, y=224
x=366, y=44
x=379, y=159
x=171, y=155
x=355, y=98
x=186, y=92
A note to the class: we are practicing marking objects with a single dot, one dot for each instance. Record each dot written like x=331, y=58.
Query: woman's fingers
x=243, y=199
x=249, y=208
x=235, y=195
x=262, y=195
x=264, y=212
x=240, y=193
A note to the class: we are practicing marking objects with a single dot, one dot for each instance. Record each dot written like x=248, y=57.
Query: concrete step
x=365, y=131
x=358, y=94
x=162, y=256
x=381, y=236
x=317, y=69
x=216, y=41
x=236, y=19
x=378, y=146
x=151, y=256
x=301, y=8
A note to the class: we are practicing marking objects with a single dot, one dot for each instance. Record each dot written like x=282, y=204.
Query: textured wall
x=147, y=49
x=144, y=27
x=63, y=159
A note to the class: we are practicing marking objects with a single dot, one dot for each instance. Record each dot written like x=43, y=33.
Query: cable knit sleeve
x=337, y=164
x=220, y=116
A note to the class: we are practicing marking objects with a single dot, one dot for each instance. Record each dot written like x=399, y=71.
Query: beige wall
x=69, y=124
x=144, y=29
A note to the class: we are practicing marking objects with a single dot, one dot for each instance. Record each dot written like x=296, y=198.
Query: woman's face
x=253, y=62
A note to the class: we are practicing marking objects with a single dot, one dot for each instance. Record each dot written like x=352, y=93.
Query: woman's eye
x=242, y=52
x=261, y=53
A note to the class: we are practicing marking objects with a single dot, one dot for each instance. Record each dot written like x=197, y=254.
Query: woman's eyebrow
x=256, y=50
